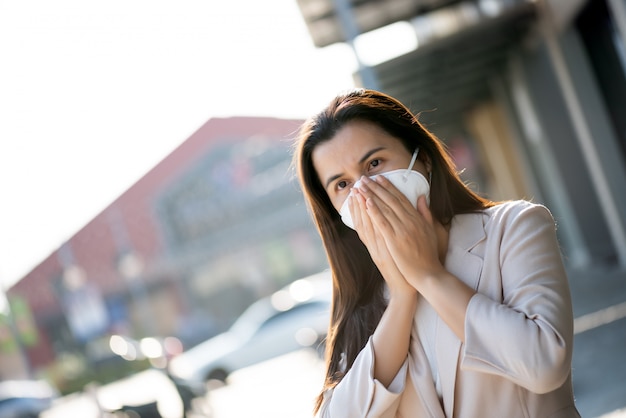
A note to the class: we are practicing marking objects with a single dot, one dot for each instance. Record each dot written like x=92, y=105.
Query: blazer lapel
x=465, y=233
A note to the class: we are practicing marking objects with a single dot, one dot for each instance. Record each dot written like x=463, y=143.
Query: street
x=282, y=388
x=286, y=387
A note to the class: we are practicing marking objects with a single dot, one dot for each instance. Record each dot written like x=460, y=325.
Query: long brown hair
x=358, y=299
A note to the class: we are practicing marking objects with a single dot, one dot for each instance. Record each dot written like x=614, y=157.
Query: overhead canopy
x=449, y=70
x=325, y=25
x=450, y=74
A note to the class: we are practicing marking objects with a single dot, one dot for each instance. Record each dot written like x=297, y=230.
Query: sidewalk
x=599, y=363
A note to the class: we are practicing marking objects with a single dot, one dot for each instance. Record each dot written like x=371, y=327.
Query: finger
x=362, y=223
x=388, y=211
x=383, y=189
x=382, y=216
x=397, y=230
x=356, y=212
x=385, y=184
x=384, y=201
x=368, y=234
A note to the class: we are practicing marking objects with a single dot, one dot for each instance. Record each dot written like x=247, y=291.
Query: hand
x=377, y=246
x=411, y=240
x=409, y=234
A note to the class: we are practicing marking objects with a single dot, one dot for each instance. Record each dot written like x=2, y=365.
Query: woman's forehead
x=354, y=137
x=350, y=147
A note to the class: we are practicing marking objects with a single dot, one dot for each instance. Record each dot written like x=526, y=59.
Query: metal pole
x=618, y=12
x=351, y=31
x=583, y=134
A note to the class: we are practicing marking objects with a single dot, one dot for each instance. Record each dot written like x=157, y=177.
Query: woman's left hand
x=412, y=241
x=409, y=234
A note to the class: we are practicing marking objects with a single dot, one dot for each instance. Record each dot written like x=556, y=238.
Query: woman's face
x=359, y=148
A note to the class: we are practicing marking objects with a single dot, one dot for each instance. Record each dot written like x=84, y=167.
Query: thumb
x=423, y=209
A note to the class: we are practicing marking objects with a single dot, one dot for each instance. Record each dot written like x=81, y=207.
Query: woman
x=444, y=305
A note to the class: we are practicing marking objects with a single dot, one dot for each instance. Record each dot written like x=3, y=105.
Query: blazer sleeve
x=359, y=395
x=527, y=336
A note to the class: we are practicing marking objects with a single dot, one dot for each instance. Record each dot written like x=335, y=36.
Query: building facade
x=217, y=224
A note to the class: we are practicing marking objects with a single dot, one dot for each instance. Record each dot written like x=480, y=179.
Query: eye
x=342, y=185
x=374, y=163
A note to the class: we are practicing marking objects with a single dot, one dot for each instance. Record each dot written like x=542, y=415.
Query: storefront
x=530, y=94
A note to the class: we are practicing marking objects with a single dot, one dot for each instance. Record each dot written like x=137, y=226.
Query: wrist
x=425, y=282
x=403, y=296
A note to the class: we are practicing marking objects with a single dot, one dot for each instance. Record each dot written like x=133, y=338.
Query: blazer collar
x=467, y=230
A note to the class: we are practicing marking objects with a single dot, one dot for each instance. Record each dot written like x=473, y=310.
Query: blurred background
x=148, y=198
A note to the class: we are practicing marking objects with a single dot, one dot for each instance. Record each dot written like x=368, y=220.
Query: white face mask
x=410, y=183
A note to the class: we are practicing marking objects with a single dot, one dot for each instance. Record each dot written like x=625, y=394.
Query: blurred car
x=25, y=398
x=292, y=318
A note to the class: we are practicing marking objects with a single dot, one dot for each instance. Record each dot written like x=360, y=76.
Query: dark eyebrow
x=361, y=161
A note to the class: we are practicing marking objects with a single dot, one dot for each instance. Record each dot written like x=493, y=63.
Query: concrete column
x=549, y=175
x=608, y=201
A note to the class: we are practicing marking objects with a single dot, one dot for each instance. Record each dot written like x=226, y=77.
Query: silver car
x=294, y=317
x=25, y=398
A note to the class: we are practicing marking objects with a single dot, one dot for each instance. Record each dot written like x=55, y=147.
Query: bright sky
x=93, y=94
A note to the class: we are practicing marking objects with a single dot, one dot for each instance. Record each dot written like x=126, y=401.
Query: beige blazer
x=516, y=360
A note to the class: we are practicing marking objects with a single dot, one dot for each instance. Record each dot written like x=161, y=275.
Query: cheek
x=340, y=200
x=336, y=202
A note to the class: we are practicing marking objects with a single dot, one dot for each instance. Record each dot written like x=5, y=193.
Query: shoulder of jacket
x=509, y=211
